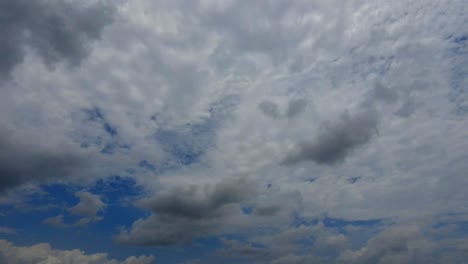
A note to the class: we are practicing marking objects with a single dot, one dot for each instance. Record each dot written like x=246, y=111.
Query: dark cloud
x=21, y=162
x=185, y=203
x=181, y=214
x=296, y=107
x=336, y=140
x=270, y=109
x=55, y=30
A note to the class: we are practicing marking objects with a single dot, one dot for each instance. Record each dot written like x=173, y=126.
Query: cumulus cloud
x=55, y=30
x=88, y=208
x=22, y=162
x=403, y=244
x=337, y=139
x=182, y=214
x=43, y=254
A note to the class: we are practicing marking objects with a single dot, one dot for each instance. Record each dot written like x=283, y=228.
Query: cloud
x=88, y=208
x=271, y=109
x=55, y=30
x=397, y=244
x=177, y=94
x=7, y=230
x=22, y=162
x=43, y=254
x=336, y=140
x=179, y=215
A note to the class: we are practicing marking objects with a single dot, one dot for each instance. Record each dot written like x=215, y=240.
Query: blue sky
x=183, y=132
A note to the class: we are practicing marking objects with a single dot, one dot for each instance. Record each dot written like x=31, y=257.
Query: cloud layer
x=255, y=124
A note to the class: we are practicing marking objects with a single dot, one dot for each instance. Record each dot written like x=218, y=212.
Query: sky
x=193, y=132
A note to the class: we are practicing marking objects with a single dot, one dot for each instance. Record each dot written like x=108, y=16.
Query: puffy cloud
x=407, y=243
x=88, y=208
x=43, y=254
x=183, y=214
x=22, y=162
x=336, y=140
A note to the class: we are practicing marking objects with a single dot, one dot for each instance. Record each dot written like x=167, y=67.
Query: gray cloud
x=336, y=140
x=184, y=202
x=88, y=208
x=296, y=107
x=181, y=214
x=270, y=109
x=22, y=162
x=55, y=30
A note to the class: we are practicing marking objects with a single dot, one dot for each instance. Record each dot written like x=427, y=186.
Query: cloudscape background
x=140, y=131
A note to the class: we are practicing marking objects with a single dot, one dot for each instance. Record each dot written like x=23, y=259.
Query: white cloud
x=43, y=254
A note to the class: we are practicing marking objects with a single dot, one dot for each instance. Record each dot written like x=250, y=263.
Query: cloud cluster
x=353, y=110
x=54, y=30
x=43, y=254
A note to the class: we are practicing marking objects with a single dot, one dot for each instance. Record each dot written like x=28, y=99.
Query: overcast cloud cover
x=233, y=131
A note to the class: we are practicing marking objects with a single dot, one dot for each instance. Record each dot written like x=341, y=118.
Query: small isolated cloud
x=88, y=208
x=336, y=140
x=7, y=230
x=55, y=30
x=43, y=253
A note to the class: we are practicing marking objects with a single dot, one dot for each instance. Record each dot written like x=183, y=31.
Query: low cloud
x=182, y=214
x=87, y=209
x=22, y=162
x=336, y=140
x=44, y=254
